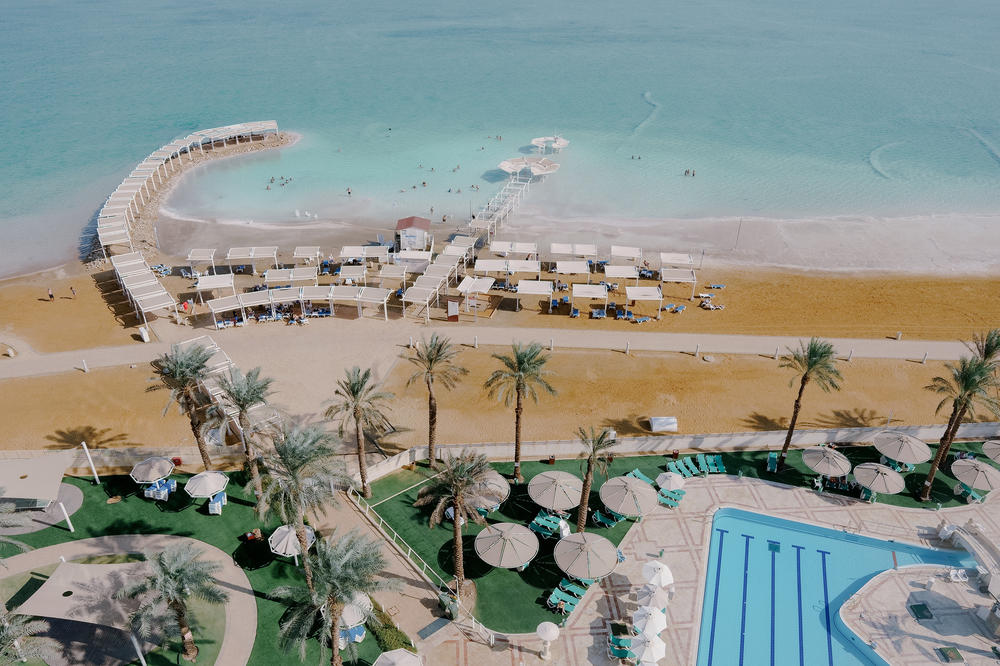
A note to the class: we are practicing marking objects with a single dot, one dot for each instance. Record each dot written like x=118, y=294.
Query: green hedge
x=387, y=634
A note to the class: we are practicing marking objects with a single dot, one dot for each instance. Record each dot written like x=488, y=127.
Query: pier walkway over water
x=505, y=202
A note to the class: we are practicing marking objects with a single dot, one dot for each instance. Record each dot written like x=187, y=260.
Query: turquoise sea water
x=775, y=587
x=785, y=109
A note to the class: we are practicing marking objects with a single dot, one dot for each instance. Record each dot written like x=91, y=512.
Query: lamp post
x=548, y=632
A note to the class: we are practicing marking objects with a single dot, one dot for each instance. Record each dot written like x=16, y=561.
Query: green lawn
x=137, y=515
x=509, y=601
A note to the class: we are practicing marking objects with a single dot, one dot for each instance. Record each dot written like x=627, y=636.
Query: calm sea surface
x=784, y=109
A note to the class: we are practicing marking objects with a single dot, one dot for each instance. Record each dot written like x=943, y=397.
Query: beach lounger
x=602, y=521
x=597, y=314
x=620, y=314
x=678, y=469
x=679, y=309
x=703, y=463
x=573, y=589
x=545, y=531
x=668, y=307
x=772, y=462
x=690, y=465
x=639, y=475
x=642, y=320
x=666, y=500
x=677, y=495
x=617, y=517
x=574, y=313
x=716, y=286
x=569, y=601
x=616, y=653
x=720, y=466
x=968, y=494
x=564, y=299
x=620, y=641
x=621, y=556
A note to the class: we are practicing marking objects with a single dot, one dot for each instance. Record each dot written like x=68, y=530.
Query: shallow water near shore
x=784, y=110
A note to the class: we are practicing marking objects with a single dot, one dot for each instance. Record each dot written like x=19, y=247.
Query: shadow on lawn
x=474, y=566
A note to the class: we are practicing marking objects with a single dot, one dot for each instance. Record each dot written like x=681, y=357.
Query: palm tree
x=343, y=566
x=241, y=392
x=523, y=373
x=436, y=361
x=815, y=362
x=595, y=447
x=301, y=471
x=182, y=370
x=19, y=640
x=452, y=486
x=986, y=345
x=970, y=383
x=173, y=575
x=360, y=400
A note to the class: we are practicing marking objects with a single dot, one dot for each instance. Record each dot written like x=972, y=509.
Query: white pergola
x=373, y=296
x=441, y=270
x=392, y=272
x=589, y=291
x=676, y=260
x=464, y=241
x=622, y=273
x=213, y=282
x=243, y=255
x=460, y=252
x=573, y=249
x=524, y=266
x=535, y=288
x=626, y=252
x=352, y=252
x=33, y=483
x=573, y=268
x=486, y=266
x=512, y=247
x=354, y=273
x=252, y=299
x=646, y=294
x=292, y=275
x=307, y=252
x=155, y=302
x=420, y=296
x=682, y=275
x=201, y=256
x=431, y=282
x=471, y=286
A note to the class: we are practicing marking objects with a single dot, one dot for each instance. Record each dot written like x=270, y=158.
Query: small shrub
x=387, y=634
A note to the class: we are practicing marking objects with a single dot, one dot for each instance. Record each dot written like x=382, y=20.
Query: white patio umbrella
x=879, y=478
x=649, y=620
x=670, y=481
x=826, y=461
x=585, y=555
x=991, y=450
x=356, y=612
x=657, y=573
x=506, y=545
x=652, y=595
x=206, y=484
x=648, y=649
x=493, y=490
x=976, y=474
x=628, y=496
x=399, y=657
x=284, y=542
x=555, y=490
x=152, y=470
x=901, y=447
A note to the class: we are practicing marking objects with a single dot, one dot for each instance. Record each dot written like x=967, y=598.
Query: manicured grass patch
x=388, y=486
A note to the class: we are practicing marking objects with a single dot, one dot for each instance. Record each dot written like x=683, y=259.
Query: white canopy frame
x=419, y=296
x=242, y=255
x=292, y=275
x=593, y=292
x=626, y=252
x=310, y=253
x=646, y=294
x=680, y=275
x=573, y=268
x=622, y=273
x=535, y=288
x=202, y=255
x=448, y=272
x=471, y=287
x=352, y=273
x=393, y=272
x=212, y=282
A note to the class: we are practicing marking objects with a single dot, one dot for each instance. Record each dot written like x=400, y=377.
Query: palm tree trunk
x=588, y=480
x=957, y=414
x=362, y=463
x=518, y=410
x=791, y=424
x=191, y=400
x=189, y=650
x=300, y=534
x=432, y=419
x=335, y=610
x=459, y=555
x=250, y=454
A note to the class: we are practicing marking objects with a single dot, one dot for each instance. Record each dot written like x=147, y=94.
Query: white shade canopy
x=648, y=649
x=676, y=259
x=534, y=287
x=547, y=631
x=826, y=461
x=670, y=481
x=201, y=254
x=539, y=166
x=284, y=542
x=556, y=490
x=399, y=657
x=490, y=266
x=152, y=469
x=901, y=447
x=212, y=282
x=622, y=272
x=586, y=555
x=628, y=496
x=879, y=478
x=474, y=285
x=85, y=593
x=598, y=291
x=652, y=595
x=34, y=478
x=572, y=268
x=649, y=620
x=976, y=474
x=306, y=252
x=657, y=573
x=356, y=612
x=991, y=450
x=206, y=484
x=506, y=545
x=626, y=252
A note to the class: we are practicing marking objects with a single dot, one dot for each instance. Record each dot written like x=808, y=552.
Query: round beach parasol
x=991, y=449
x=152, y=470
x=555, y=490
x=879, y=478
x=657, y=573
x=284, y=542
x=976, y=474
x=356, y=612
x=493, y=490
x=506, y=545
x=206, y=484
x=648, y=649
x=652, y=595
x=628, y=496
x=585, y=555
x=649, y=620
x=826, y=461
x=399, y=657
x=670, y=481
x=901, y=447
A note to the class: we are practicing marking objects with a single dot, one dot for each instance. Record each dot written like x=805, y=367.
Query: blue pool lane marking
x=798, y=578
x=826, y=608
x=746, y=580
x=715, y=600
x=774, y=547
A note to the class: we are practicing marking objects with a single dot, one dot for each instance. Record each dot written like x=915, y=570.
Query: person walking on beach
x=72, y=290
x=52, y=296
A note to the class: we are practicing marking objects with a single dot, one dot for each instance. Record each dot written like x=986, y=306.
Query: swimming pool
x=775, y=587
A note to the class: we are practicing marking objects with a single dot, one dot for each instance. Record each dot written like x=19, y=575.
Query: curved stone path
x=241, y=608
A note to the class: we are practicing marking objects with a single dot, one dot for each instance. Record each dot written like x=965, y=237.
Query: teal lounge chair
x=619, y=641
x=679, y=468
x=620, y=653
x=690, y=465
x=603, y=521
x=617, y=517
x=575, y=590
x=667, y=500
x=636, y=474
x=677, y=494
x=719, y=465
x=772, y=462
x=569, y=601
x=703, y=463
x=968, y=494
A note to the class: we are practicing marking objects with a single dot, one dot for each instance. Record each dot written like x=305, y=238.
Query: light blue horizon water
x=785, y=109
x=775, y=587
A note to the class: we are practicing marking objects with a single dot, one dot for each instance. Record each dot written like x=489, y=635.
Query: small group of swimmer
x=282, y=181
x=637, y=157
x=689, y=172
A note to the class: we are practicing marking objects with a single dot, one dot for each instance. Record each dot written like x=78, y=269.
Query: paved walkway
x=241, y=608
